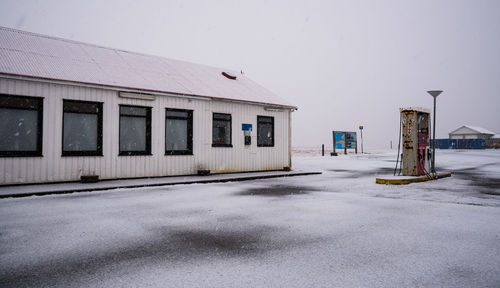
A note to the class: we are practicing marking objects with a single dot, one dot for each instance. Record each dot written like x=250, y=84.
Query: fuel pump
x=415, y=132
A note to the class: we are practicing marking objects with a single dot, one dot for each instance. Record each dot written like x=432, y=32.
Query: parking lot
x=337, y=229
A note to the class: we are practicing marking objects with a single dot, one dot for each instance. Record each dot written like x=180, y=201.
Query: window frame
x=38, y=101
x=259, y=121
x=99, y=106
x=230, y=129
x=147, y=150
x=189, y=119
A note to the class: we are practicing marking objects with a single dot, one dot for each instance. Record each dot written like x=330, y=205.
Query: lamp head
x=434, y=93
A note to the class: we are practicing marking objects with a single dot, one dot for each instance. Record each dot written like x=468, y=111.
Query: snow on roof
x=34, y=55
x=496, y=136
x=475, y=128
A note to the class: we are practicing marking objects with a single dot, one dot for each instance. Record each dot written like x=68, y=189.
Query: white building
x=70, y=109
x=471, y=132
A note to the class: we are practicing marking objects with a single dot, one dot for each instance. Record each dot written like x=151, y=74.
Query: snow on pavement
x=338, y=229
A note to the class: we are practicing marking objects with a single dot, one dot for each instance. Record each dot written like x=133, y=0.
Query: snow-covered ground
x=338, y=229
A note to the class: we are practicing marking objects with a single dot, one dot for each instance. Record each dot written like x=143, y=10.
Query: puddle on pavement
x=230, y=243
x=364, y=173
x=277, y=191
x=164, y=244
x=487, y=185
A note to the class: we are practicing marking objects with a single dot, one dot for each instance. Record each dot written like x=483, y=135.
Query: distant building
x=70, y=111
x=471, y=132
x=493, y=142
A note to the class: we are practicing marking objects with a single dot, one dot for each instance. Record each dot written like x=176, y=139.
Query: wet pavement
x=277, y=191
x=334, y=229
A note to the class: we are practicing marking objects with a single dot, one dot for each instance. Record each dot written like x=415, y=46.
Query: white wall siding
x=52, y=167
x=471, y=136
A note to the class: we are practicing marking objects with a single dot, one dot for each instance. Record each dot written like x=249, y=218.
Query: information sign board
x=344, y=140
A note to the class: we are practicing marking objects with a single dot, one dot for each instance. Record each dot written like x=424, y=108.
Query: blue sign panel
x=246, y=127
x=345, y=140
x=350, y=140
x=339, y=140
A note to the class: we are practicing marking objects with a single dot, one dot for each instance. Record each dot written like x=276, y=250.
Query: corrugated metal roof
x=34, y=55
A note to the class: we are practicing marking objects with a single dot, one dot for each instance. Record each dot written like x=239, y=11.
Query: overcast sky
x=343, y=63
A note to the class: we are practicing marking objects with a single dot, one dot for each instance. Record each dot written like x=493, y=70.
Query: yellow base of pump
x=404, y=180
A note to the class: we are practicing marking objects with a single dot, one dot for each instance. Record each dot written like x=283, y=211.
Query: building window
x=82, y=128
x=135, y=130
x=265, y=131
x=221, y=130
x=178, y=132
x=21, y=121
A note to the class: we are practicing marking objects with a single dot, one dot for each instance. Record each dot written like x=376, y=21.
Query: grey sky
x=344, y=63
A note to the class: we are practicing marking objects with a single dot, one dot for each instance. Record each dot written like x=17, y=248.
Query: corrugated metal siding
x=53, y=167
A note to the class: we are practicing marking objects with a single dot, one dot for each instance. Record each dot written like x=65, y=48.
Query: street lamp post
x=361, y=128
x=434, y=94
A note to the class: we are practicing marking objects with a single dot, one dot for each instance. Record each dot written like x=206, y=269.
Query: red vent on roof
x=229, y=76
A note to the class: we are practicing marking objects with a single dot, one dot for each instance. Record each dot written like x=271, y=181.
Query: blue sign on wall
x=246, y=127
